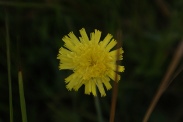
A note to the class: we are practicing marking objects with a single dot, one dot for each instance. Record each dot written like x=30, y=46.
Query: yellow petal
x=68, y=44
x=97, y=36
x=80, y=83
x=106, y=40
x=106, y=83
x=100, y=87
x=84, y=36
x=73, y=38
x=113, y=54
x=111, y=45
x=113, y=75
x=64, y=51
x=65, y=59
x=74, y=82
x=120, y=68
x=69, y=78
x=94, y=88
x=66, y=66
x=87, y=88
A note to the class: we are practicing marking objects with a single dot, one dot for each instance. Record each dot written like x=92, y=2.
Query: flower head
x=91, y=60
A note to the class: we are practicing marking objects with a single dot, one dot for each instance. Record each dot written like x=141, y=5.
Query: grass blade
x=9, y=66
x=166, y=80
x=22, y=98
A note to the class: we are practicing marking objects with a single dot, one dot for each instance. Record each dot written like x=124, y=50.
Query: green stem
x=98, y=108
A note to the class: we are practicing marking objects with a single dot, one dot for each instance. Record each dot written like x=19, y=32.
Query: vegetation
x=151, y=34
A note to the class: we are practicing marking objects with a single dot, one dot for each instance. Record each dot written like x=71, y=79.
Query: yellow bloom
x=91, y=60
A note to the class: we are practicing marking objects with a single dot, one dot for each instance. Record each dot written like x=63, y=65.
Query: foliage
x=151, y=32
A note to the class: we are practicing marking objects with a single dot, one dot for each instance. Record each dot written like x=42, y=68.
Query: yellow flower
x=91, y=60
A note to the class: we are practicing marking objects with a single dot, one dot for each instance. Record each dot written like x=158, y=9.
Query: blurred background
x=152, y=29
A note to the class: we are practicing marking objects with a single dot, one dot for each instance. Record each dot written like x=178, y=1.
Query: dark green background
x=150, y=37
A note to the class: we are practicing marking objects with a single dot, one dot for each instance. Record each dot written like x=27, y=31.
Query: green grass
x=22, y=98
x=150, y=37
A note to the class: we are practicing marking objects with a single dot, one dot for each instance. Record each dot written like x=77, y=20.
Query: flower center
x=92, y=63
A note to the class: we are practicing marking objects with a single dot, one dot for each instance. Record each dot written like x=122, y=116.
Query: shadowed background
x=152, y=29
